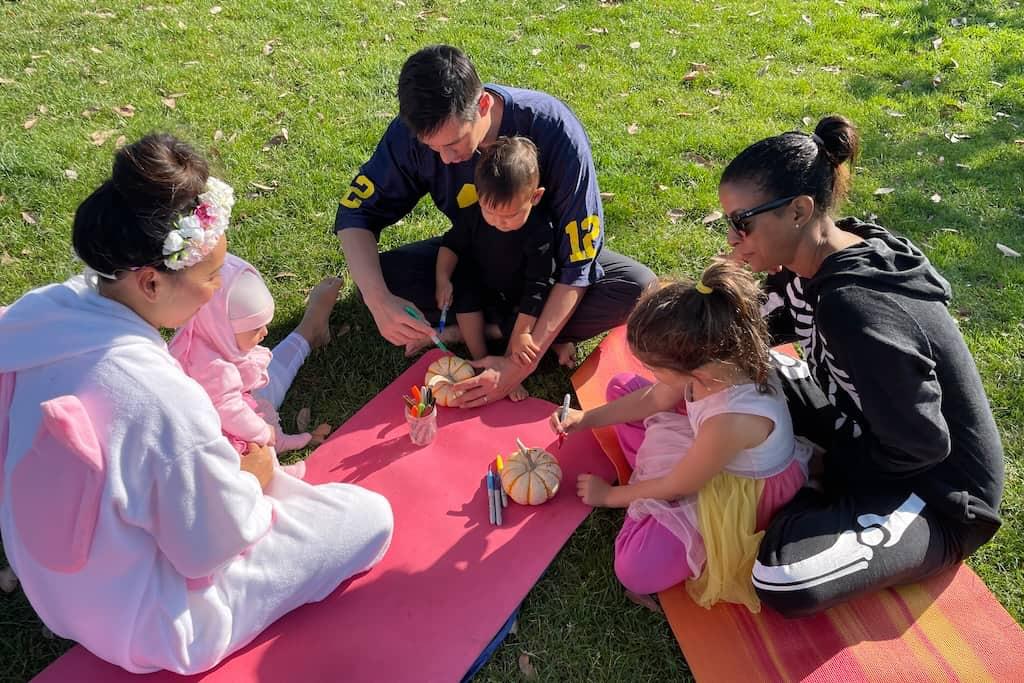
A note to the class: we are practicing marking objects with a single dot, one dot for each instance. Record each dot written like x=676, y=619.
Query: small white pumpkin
x=531, y=478
x=443, y=373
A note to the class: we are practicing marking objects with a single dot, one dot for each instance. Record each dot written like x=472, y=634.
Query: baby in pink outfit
x=220, y=348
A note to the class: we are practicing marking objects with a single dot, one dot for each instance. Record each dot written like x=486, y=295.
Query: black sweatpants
x=409, y=273
x=821, y=550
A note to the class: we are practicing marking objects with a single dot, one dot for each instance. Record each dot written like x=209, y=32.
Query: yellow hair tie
x=703, y=288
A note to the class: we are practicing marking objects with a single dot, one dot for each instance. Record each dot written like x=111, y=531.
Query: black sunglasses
x=736, y=220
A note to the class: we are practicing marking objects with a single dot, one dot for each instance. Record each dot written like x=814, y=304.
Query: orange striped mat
x=948, y=628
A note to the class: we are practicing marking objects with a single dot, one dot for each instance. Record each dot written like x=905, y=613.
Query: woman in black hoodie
x=912, y=471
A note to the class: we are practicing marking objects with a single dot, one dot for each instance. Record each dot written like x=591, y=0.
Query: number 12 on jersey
x=582, y=236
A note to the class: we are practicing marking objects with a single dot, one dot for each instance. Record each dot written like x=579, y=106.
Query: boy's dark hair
x=679, y=328
x=795, y=163
x=437, y=83
x=124, y=222
x=506, y=170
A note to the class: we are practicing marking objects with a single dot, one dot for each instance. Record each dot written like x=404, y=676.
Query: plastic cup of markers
x=422, y=430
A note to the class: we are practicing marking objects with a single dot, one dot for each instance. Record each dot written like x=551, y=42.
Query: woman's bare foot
x=451, y=335
x=566, y=353
x=519, y=393
x=315, y=324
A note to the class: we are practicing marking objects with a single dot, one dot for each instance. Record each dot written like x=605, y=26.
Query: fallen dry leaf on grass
x=29, y=123
x=6, y=259
x=712, y=217
x=98, y=137
x=644, y=601
x=527, y=668
x=936, y=197
x=274, y=142
x=7, y=81
x=70, y=174
x=268, y=47
x=535, y=51
x=169, y=102
x=8, y=580
x=120, y=142
x=216, y=9
x=607, y=196
x=1007, y=251
x=127, y=111
x=674, y=215
x=29, y=217
x=884, y=190
x=635, y=45
x=633, y=128
x=87, y=113
x=284, y=275
x=302, y=419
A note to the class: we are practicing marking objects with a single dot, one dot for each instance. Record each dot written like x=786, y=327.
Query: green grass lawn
x=937, y=89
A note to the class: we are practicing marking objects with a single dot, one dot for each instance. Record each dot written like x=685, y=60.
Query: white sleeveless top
x=771, y=456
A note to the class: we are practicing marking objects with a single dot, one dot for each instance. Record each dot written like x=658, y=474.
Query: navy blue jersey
x=402, y=170
x=515, y=266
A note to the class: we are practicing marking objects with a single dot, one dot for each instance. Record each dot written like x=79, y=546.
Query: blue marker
x=444, y=314
x=490, y=496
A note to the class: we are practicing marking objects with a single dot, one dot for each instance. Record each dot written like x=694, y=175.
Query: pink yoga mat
x=449, y=581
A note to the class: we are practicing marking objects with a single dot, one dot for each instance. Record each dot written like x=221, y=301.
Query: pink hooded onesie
x=208, y=352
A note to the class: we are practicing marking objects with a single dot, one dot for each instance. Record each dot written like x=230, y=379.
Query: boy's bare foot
x=315, y=327
x=451, y=335
x=519, y=393
x=566, y=353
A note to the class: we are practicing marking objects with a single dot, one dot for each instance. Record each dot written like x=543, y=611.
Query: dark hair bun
x=123, y=223
x=839, y=139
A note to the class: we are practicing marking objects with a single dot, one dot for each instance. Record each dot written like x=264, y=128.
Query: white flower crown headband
x=195, y=235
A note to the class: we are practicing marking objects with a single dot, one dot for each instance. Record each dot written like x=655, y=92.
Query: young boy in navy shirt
x=495, y=264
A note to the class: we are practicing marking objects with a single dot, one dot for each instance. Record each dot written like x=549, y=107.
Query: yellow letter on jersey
x=360, y=189
x=466, y=196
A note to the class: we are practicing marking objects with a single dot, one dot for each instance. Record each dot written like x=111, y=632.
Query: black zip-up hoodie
x=883, y=347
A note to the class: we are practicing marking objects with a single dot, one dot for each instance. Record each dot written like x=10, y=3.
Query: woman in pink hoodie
x=220, y=348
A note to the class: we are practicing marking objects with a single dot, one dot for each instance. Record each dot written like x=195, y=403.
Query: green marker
x=437, y=340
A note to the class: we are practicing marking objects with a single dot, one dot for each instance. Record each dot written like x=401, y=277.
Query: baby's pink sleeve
x=224, y=386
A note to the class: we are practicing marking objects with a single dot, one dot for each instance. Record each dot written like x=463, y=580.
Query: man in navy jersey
x=445, y=115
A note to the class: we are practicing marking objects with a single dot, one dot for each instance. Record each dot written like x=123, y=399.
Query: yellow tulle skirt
x=727, y=508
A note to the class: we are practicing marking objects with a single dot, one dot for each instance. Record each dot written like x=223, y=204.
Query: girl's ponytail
x=741, y=332
x=685, y=325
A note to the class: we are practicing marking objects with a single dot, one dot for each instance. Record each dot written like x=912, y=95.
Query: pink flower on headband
x=205, y=215
x=195, y=235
